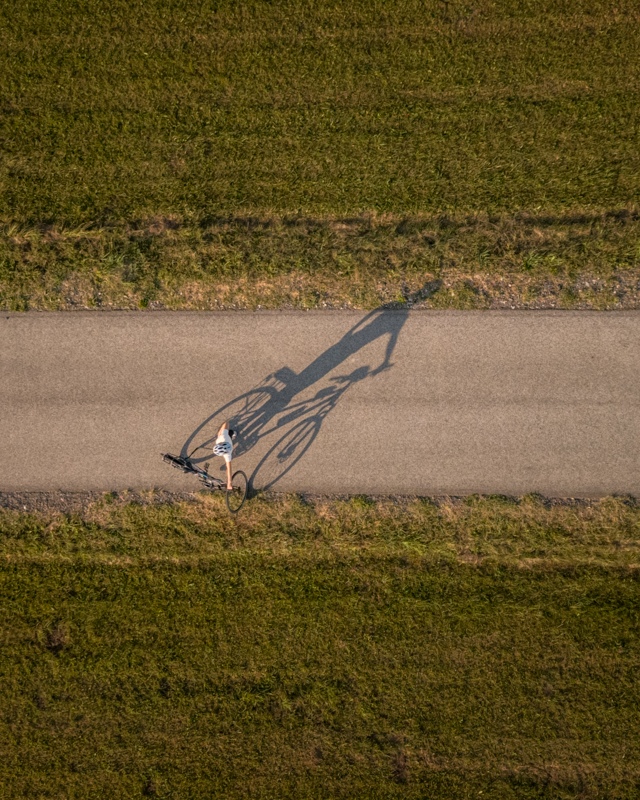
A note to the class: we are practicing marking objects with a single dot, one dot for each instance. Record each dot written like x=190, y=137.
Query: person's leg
x=223, y=426
x=229, y=486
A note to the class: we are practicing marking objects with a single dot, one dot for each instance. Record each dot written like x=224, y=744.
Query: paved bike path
x=389, y=402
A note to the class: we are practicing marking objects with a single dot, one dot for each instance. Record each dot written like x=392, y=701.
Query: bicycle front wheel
x=237, y=495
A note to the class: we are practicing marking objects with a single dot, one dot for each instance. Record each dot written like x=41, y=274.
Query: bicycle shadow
x=284, y=406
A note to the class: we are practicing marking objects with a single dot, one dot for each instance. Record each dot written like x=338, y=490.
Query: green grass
x=117, y=114
x=128, y=109
x=326, y=649
x=585, y=260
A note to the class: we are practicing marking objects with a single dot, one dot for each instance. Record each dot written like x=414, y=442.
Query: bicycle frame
x=186, y=465
x=235, y=496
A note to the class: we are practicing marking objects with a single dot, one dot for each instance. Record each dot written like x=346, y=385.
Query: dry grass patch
x=476, y=530
x=578, y=260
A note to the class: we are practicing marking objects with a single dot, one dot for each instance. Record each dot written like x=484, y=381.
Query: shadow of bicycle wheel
x=285, y=454
x=286, y=399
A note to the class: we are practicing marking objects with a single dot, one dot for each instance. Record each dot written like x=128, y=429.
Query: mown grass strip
x=576, y=260
x=517, y=532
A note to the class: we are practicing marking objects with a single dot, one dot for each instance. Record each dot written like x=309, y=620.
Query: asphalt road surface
x=409, y=402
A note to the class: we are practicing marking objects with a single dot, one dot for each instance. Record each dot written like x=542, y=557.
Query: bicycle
x=235, y=497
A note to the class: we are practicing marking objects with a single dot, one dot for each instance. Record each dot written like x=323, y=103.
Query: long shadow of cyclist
x=277, y=406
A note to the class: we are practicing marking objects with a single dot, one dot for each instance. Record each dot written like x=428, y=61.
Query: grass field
x=311, y=154
x=485, y=648
x=123, y=117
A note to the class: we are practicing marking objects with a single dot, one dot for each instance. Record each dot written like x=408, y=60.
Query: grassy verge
x=321, y=649
x=232, y=122
x=586, y=260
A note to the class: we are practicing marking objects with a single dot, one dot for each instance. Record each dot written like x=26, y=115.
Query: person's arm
x=223, y=426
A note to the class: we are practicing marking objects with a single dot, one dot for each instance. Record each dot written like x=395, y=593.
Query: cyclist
x=224, y=447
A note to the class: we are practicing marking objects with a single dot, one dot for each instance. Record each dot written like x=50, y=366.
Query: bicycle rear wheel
x=237, y=495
